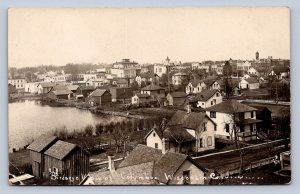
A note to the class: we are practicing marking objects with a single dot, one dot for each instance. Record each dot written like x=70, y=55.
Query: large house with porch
x=234, y=118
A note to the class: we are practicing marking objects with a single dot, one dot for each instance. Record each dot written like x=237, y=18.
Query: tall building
x=257, y=55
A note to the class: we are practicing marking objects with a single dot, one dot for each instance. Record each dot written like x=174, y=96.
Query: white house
x=252, y=71
x=140, y=98
x=250, y=83
x=160, y=69
x=207, y=98
x=231, y=112
x=195, y=86
x=185, y=132
x=18, y=83
x=31, y=87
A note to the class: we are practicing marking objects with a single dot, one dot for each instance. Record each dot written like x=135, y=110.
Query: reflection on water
x=29, y=119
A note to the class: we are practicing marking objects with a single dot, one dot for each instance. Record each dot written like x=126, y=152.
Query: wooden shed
x=37, y=149
x=66, y=163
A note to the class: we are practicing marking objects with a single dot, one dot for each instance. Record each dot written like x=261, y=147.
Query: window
x=201, y=142
x=252, y=114
x=212, y=114
x=227, y=128
x=212, y=103
x=156, y=145
x=153, y=134
x=217, y=94
x=204, y=127
x=186, y=177
x=209, y=141
x=242, y=128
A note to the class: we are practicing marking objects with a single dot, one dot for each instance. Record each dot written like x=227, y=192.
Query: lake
x=29, y=119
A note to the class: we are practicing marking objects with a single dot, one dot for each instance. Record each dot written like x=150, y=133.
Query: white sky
x=60, y=36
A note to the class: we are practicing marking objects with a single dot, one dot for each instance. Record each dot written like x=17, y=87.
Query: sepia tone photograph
x=149, y=96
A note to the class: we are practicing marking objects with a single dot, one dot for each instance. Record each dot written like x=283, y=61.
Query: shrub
x=89, y=130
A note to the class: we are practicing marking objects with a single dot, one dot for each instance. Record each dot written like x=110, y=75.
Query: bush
x=89, y=130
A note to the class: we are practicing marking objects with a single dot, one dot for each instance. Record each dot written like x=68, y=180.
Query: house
x=180, y=79
x=59, y=92
x=230, y=115
x=160, y=69
x=185, y=132
x=45, y=87
x=153, y=90
x=142, y=99
x=99, y=97
x=121, y=94
x=66, y=163
x=31, y=87
x=195, y=86
x=250, y=83
x=150, y=166
x=212, y=84
x=120, y=83
x=253, y=71
x=207, y=98
x=264, y=114
x=18, y=83
x=176, y=98
x=73, y=88
x=147, y=77
x=84, y=91
x=37, y=157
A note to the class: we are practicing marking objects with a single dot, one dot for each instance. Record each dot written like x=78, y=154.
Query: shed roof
x=42, y=143
x=60, y=149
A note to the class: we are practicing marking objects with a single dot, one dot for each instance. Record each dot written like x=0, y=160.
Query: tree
x=199, y=74
x=227, y=70
x=89, y=129
x=135, y=86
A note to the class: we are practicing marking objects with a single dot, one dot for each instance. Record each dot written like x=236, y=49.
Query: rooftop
x=42, y=143
x=231, y=106
x=60, y=149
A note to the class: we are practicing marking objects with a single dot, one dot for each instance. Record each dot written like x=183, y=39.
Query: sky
x=145, y=35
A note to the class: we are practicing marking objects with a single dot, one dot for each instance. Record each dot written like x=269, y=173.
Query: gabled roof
x=98, y=93
x=176, y=133
x=196, y=82
x=209, y=82
x=42, y=143
x=168, y=163
x=178, y=94
x=204, y=95
x=62, y=92
x=231, y=106
x=60, y=149
x=152, y=88
x=121, y=81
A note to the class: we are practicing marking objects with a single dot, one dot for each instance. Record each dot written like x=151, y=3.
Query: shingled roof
x=231, y=106
x=60, y=149
x=177, y=133
x=163, y=163
x=143, y=172
x=98, y=92
x=178, y=94
x=188, y=120
x=42, y=143
x=204, y=95
x=251, y=80
x=47, y=84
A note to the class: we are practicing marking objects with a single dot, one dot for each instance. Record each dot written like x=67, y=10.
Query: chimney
x=189, y=109
x=111, y=164
x=163, y=148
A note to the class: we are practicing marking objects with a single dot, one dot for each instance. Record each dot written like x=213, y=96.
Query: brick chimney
x=163, y=148
x=111, y=164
